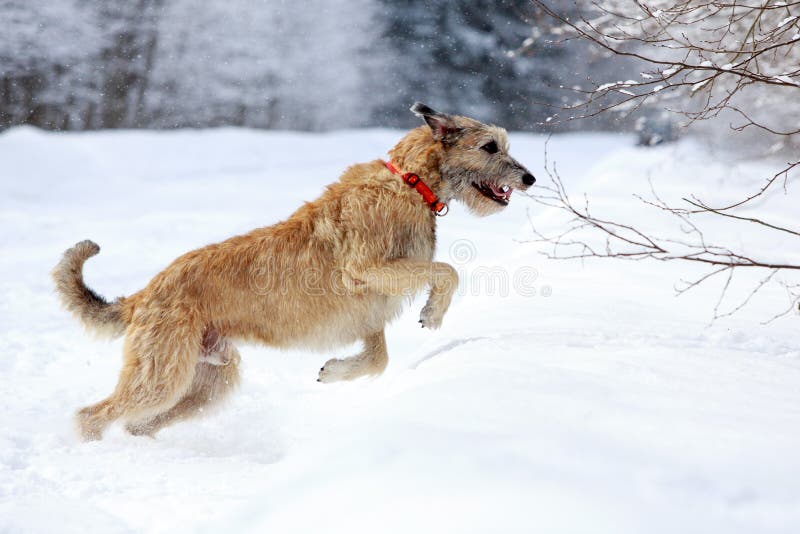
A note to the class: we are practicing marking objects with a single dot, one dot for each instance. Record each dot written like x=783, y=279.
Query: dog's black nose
x=528, y=179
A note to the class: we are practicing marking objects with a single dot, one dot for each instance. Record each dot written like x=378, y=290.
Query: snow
x=786, y=79
x=699, y=85
x=580, y=398
x=312, y=65
x=606, y=86
x=670, y=71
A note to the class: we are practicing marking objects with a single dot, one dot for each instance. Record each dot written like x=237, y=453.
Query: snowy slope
x=585, y=398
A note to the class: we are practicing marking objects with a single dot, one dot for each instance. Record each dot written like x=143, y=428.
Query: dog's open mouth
x=499, y=193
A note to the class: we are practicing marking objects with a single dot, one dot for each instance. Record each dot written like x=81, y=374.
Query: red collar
x=438, y=207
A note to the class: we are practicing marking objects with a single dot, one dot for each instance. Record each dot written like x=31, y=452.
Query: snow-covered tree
x=478, y=58
x=45, y=61
x=703, y=59
x=277, y=63
x=135, y=63
x=266, y=63
x=129, y=39
x=706, y=58
x=457, y=55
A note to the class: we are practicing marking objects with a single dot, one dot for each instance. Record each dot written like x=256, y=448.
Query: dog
x=335, y=272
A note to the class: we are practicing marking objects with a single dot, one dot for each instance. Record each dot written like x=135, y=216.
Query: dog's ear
x=443, y=126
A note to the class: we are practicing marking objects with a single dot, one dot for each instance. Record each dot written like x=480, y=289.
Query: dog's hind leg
x=212, y=383
x=158, y=369
x=371, y=360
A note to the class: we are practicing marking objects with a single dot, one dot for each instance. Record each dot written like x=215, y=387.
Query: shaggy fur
x=337, y=271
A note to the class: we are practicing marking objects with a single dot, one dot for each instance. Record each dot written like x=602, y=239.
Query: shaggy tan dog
x=337, y=271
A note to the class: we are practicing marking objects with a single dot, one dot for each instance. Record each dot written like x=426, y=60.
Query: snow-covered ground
x=579, y=398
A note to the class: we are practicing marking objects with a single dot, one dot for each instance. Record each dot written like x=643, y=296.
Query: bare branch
x=706, y=58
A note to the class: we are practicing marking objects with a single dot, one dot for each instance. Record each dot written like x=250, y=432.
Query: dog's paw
x=140, y=429
x=334, y=371
x=86, y=428
x=430, y=317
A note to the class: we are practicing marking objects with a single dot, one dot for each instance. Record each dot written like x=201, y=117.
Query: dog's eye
x=490, y=147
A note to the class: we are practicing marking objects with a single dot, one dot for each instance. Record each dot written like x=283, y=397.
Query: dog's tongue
x=499, y=193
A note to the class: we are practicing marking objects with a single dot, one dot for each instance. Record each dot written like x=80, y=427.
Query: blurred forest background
x=312, y=65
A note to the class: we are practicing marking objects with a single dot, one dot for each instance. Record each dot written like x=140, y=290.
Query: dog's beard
x=468, y=192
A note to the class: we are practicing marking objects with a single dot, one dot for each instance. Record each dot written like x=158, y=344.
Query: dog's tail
x=96, y=313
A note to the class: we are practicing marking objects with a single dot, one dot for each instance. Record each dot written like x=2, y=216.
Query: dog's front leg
x=370, y=361
x=444, y=283
x=406, y=277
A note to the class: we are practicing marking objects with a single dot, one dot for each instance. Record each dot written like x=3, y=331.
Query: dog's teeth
x=504, y=189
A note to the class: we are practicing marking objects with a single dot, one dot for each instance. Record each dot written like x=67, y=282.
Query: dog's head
x=475, y=166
